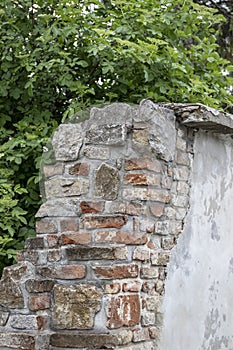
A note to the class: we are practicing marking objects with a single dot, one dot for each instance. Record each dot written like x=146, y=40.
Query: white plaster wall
x=198, y=303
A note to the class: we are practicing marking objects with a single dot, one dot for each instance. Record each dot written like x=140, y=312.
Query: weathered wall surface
x=117, y=198
x=198, y=299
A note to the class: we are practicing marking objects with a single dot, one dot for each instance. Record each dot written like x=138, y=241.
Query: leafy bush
x=57, y=57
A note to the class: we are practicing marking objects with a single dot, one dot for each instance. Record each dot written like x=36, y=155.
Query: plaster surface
x=199, y=289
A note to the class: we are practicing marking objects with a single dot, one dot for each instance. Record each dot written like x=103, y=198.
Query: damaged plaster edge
x=197, y=115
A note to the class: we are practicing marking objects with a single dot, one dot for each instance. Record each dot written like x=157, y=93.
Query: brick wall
x=117, y=194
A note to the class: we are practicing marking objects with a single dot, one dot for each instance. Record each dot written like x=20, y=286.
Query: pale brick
x=149, y=272
x=65, y=187
x=160, y=258
x=95, y=152
x=141, y=254
x=44, y=226
x=147, y=225
x=162, y=228
x=157, y=209
x=120, y=237
x=53, y=169
x=69, y=225
x=76, y=238
x=168, y=243
x=54, y=255
x=148, y=318
x=145, y=194
x=112, y=288
x=141, y=334
x=131, y=286
x=52, y=240
x=181, y=173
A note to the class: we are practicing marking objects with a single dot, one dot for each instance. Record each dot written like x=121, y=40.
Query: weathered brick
x=95, y=253
x=142, y=179
x=92, y=207
x=20, y=341
x=39, y=302
x=113, y=221
x=141, y=334
x=182, y=158
x=160, y=287
x=53, y=169
x=157, y=209
x=120, y=237
x=141, y=254
x=29, y=255
x=131, y=286
x=66, y=272
x=66, y=187
x=183, y=187
x=145, y=194
x=52, y=240
x=123, y=310
x=43, y=226
x=39, y=286
x=147, y=225
x=126, y=207
x=169, y=243
x=34, y=243
x=81, y=302
x=58, y=207
x=154, y=332
x=69, y=225
x=112, y=288
x=181, y=173
x=149, y=272
x=116, y=271
x=84, y=340
x=107, y=182
x=29, y=322
x=3, y=318
x=153, y=302
x=106, y=135
x=79, y=169
x=144, y=163
x=148, y=318
x=149, y=287
x=76, y=238
x=95, y=152
x=162, y=227
x=160, y=258
x=54, y=255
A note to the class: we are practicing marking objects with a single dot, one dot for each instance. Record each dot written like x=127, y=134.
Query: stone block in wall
x=95, y=152
x=79, y=169
x=75, y=306
x=144, y=163
x=106, y=182
x=137, y=179
x=123, y=310
x=86, y=253
x=84, y=341
x=145, y=194
x=58, y=207
x=19, y=341
x=39, y=302
x=61, y=187
x=39, y=285
x=46, y=226
x=29, y=322
x=66, y=272
x=93, y=207
x=108, y=134
x=67, y=141
x=76, y=238
x=11, y=294
x=4, y=315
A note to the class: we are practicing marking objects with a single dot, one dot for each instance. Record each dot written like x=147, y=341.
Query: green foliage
x=57, y=57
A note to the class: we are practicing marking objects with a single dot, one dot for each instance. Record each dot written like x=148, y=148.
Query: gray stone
x=3, y=318
x=75, y=306
x=67, y=141
x=62, y=187
x=58, y=207
x=106, y=182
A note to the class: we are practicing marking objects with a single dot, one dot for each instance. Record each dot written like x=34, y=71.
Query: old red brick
x=120, y=237
x=39, y=302
x=124, y=310
x=43, y=226
x=91, y=207
x=66, y=272
x=79, y=169
x=131, y=286
x=143, y=163
x=76, y=238
x=113, y=221
x=84, y=340
x=142, y=179
x=69, y=225
x=116, y=271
